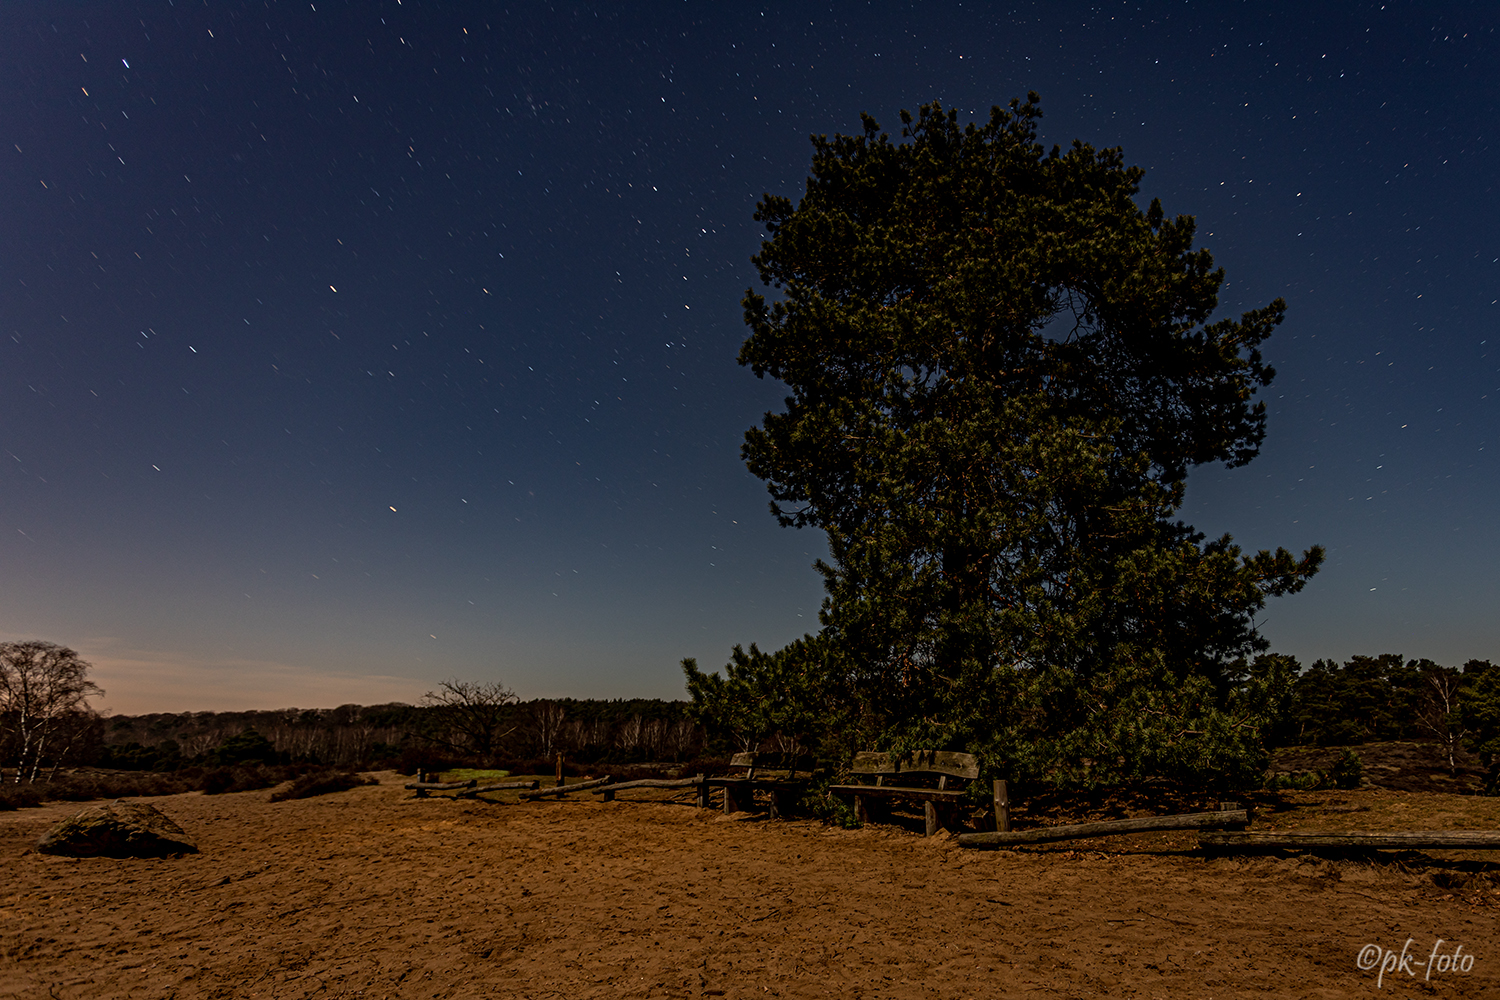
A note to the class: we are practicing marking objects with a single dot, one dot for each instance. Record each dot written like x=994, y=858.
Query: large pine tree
x=1001, y=371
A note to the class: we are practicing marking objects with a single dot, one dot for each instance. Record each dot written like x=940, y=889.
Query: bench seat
x=899, y=792
x=938, y=804
x=781, y=784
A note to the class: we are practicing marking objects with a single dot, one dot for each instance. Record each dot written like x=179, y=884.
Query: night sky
x=351, y=346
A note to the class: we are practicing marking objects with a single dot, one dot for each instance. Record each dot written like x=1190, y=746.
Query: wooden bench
x=773, y=773
x=896, y=779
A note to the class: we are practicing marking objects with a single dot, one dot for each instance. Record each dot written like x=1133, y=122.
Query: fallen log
x=1390, y=840
x=441, y=786
x=1108, y=828
x=565, y=789
x=497, y=788
x=653, y=783
x=608, y=791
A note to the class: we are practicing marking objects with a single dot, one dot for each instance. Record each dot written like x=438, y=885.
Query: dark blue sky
x=350, y=346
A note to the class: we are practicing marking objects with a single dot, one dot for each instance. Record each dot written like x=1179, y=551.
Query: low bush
x=322, y=783
x=81, y=787
x=19, y=796
x=222, y=780
x=1348, y=771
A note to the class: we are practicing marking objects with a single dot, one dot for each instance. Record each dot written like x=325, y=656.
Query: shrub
x=80, y=787
x=1303, y=781
x=1347, y=771
x=237, y=779
x=248, y=747
x=19, y=797
x=322, y=783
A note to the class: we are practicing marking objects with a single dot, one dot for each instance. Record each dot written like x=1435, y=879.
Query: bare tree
x=467, y=716
x=44, y=689
x=654, y=738
x=1438, y=708
x=547, y=718
x=683, y=739
x=199, y=743
x=630, y=734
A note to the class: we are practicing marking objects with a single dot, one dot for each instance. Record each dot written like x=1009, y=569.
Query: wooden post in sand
x=559, y=769
x=1002, y=806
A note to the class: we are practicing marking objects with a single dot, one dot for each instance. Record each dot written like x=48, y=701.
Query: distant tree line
x=1373, y=698
x=780, y=700
x=46, y=722
x=586, y=731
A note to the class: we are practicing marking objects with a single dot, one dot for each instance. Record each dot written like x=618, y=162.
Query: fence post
x=1002, y=806
x=559, y=769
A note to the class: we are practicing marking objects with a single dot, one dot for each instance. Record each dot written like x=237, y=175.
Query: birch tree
x=44, y=692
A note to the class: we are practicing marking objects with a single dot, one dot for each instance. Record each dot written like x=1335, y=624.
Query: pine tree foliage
x=791, y=701
x=1001, y=371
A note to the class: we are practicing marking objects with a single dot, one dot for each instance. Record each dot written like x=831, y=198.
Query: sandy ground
x=373, y=893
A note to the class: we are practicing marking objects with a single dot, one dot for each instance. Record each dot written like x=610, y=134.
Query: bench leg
x=731, y=801
x=609, y=796
x=934, y=824
x=861, y=811
x=775, y=804
x=703, y=796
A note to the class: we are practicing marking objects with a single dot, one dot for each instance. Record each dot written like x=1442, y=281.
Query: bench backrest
x=772, y=762
x=942, y=762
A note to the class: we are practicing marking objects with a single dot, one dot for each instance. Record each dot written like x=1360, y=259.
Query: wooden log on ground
x=441, y=786
x=502, y=786
x=657, y=783
x=609, y=791
x=1389, y=840
x=1108, y=828
x=564, y=789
